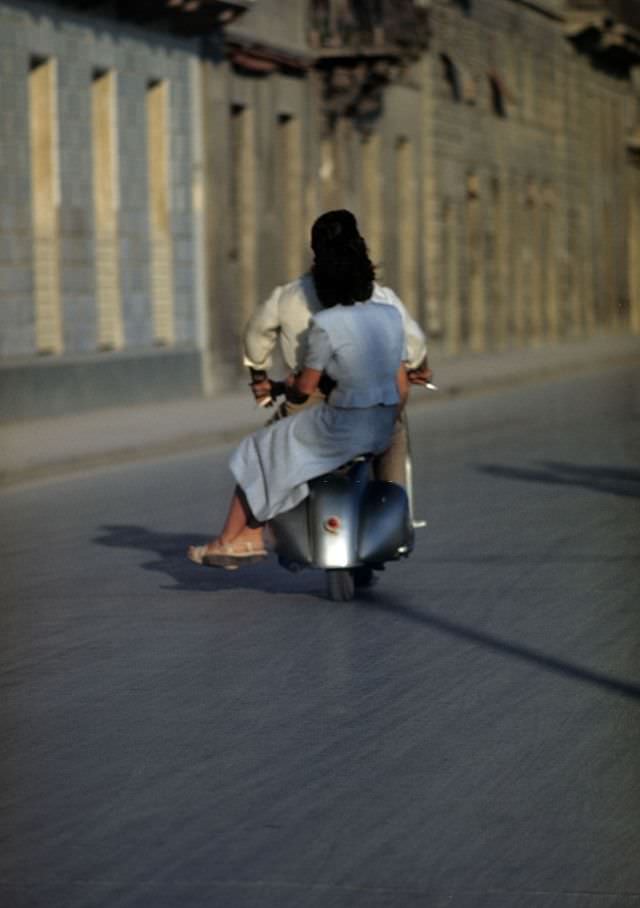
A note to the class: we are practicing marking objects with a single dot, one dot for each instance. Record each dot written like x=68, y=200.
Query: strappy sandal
x=226, y=555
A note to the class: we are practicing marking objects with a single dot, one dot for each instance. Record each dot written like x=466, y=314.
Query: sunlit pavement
x=465, y=734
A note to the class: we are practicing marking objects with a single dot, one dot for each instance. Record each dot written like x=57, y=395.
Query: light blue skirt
x=274, y=464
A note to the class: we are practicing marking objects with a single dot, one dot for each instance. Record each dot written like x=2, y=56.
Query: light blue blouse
x=361, y=348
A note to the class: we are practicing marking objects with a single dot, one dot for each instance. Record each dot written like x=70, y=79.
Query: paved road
x=465, y=735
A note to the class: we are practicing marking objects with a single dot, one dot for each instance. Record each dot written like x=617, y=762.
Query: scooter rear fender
x=323, y=529
x=334, y=506
x=346, y=521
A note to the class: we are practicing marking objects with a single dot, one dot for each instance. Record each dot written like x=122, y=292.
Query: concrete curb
x=55, y=448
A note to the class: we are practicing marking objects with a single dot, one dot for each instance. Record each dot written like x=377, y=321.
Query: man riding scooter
x=361, y=344
x=283, y=320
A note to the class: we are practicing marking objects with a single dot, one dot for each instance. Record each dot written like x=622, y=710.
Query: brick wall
x=548, y=173
x=519, y=226
x=81, y=45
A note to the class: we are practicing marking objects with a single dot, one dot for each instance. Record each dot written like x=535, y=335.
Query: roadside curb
x=461, y=377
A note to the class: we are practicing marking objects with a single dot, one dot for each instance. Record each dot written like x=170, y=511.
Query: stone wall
x=527, y=191
x=83, y=46
x=494, y=187
x=491, y=176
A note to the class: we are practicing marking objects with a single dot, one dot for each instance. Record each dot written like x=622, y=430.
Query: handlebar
x=276, y=388
x=279, y=388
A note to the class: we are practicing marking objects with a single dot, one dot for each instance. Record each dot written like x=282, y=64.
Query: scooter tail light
x=332, y=524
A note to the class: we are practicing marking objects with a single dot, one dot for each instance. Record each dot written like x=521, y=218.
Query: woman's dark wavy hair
x=342, y=270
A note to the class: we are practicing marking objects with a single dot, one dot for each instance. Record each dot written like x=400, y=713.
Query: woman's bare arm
x=301, y=385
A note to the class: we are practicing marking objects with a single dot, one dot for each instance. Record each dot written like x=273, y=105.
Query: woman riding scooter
x=360, y=345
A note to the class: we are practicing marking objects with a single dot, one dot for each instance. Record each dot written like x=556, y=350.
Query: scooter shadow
x=171, y=560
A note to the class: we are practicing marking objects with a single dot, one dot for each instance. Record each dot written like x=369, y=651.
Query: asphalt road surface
x=465, y=734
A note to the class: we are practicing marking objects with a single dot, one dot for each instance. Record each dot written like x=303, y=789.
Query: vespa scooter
x=349, y=525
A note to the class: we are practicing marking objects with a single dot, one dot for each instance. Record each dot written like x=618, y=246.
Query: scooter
x=349, y=525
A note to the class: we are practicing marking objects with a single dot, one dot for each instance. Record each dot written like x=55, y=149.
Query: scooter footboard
x=386, y=532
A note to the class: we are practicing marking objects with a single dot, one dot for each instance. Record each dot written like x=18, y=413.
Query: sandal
x=226, y=555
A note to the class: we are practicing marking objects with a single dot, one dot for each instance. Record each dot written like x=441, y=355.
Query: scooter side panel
x=385, y=526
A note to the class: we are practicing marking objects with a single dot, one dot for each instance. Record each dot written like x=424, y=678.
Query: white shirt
x=361, y=347
x=286, y=314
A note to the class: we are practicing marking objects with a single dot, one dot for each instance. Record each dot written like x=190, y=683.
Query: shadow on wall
x=610, y=480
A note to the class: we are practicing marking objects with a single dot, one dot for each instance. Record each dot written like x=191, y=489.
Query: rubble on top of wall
x=608, y=31
x=187, y=17
x=360, y=47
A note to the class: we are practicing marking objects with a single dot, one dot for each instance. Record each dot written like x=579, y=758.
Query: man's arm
x=260, y=337
x=261, y=333
x=414, y=335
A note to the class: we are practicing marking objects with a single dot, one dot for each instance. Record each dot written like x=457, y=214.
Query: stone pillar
x=585, y=264
x=371, y=196
x=536, y=253
x=106, y=210
x=406, y=223
x=451, y=283
x=430, y=250
x=500, y=300
x=550, y=264
x=198, y=195
x=329, y=194
x=244, y=240
x=521, y=262
x=475, y=266
x=45, y=205
x=289, y=155
x=161, y=237
x=634, y=250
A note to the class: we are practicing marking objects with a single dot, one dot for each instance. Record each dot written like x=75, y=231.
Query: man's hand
x=261, y=389
x=421, y=375
x=260, y=385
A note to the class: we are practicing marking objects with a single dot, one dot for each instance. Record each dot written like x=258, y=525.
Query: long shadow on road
x=170, y=547
x=502, y=646
x=611, y=480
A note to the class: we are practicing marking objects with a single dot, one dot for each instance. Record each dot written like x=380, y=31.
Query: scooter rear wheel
x=340, y=584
